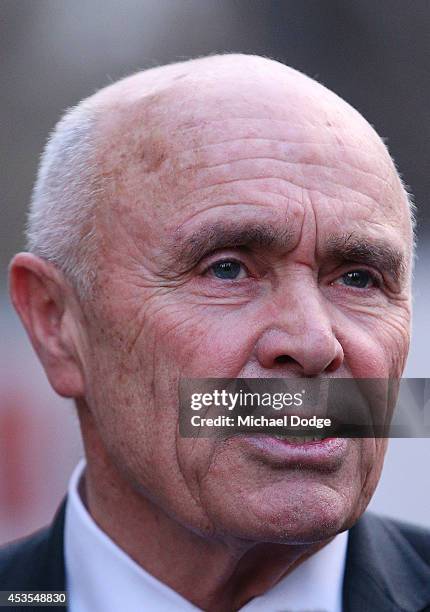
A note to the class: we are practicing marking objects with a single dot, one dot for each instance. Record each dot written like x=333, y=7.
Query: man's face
x=259, y=235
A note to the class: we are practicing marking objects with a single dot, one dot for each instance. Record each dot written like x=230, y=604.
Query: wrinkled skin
x=229, y=142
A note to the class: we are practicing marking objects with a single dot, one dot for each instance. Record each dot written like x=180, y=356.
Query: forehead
x=242, y=148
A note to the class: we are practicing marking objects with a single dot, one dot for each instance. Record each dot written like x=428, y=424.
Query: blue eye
x=360, y=279
x=226, y=270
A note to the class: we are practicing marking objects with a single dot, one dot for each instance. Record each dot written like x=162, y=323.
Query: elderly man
x=221, y=217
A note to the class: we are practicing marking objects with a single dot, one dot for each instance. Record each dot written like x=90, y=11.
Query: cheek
x=205, y=341
x=374, y=350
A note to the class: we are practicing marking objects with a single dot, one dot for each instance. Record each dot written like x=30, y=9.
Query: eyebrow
x=209, y=238
x=377, y=253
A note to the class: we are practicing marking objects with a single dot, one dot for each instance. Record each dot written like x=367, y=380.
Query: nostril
x=281, y=359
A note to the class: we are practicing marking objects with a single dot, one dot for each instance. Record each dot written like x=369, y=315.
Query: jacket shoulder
x=19, y=559
x=388, y=566
x=35, y=562
x=415, y=536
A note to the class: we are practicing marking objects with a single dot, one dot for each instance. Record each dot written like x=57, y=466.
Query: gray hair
x=60, y=225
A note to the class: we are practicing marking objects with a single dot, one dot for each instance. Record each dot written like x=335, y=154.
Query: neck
x=229, y=572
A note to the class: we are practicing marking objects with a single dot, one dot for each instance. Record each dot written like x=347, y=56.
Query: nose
x=300, y=340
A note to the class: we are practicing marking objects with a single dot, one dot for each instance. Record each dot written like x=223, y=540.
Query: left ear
x=45, y=301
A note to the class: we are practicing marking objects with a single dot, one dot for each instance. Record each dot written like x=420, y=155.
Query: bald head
x=114, y=148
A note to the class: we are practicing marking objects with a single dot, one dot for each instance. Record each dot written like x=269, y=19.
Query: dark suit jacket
x=387, y=567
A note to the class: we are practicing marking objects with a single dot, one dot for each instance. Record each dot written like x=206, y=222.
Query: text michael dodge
x=260, y=421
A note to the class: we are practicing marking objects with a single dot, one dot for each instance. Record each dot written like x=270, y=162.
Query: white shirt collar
x=103, y=578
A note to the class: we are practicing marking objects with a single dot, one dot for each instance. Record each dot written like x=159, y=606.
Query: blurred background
x=376, y=55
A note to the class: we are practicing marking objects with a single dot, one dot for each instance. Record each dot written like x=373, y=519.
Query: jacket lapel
x=53, y=562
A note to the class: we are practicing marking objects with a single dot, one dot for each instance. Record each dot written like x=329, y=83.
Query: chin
x=295, y=515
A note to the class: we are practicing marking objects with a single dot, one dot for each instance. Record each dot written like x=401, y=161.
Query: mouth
x=315, y=451
x=300, y=439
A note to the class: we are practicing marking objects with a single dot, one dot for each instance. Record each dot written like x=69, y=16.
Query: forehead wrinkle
x=230, y=143
x=286, y=127
x=304, y=167
x=263, y=201
x=276, y=157
x=282, y=186
x=269, y=131
x=299, y=163
x=281, y=143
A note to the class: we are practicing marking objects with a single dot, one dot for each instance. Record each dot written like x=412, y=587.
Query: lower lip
x=326, y=454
